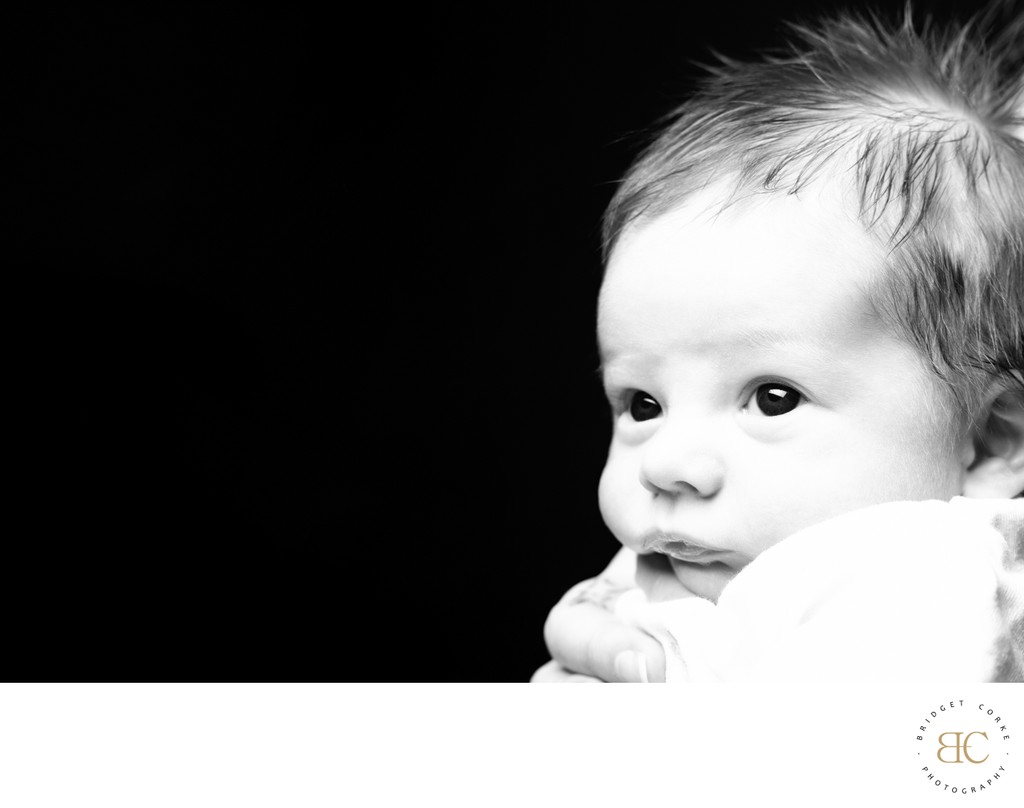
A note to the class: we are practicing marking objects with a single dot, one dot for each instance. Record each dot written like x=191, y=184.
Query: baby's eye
x=643, y=407
x=776, y=399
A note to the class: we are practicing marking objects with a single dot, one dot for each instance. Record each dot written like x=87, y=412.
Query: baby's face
x=755, y=391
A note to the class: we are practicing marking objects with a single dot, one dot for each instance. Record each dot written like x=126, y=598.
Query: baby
x=812, y=337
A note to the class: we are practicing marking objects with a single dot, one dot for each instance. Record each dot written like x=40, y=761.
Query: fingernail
x=631, y=666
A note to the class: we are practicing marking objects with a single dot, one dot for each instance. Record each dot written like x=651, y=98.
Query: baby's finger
x=588, y=639
x=552, y=672
x=622, y=653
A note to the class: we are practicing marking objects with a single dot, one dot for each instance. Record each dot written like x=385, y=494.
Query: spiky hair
x=924, y=123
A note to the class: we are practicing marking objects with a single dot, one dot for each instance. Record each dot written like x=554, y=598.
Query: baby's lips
x=680, y=546
x=690, y=553
x=705, y=580
x=657, y=579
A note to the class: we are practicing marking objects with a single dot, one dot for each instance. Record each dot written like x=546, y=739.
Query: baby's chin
x=704, y=580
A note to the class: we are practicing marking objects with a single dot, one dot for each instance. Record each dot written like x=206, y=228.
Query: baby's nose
x=680, y=458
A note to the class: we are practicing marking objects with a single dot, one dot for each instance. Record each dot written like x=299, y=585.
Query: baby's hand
x=585, y=638
x=587, y=641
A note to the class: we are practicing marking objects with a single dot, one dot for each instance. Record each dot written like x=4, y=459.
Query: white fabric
x=906, y=591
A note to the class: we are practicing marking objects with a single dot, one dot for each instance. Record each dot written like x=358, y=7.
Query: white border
x=477, y=745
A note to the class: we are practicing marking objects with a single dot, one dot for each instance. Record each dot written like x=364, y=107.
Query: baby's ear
x=998, y=466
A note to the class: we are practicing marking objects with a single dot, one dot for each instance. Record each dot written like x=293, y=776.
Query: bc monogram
x=962, y=747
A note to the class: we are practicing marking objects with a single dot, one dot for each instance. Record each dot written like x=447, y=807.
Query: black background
x=304, y=375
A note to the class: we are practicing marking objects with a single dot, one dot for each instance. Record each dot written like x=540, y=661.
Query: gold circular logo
x=963, y=746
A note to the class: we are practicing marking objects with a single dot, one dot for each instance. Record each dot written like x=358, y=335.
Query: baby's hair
x=925, y=124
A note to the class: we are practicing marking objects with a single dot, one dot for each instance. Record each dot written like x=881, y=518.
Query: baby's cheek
x=916, y=461
x=913, y=447
x=892, y=467
x=618, y=493
x=814, y=483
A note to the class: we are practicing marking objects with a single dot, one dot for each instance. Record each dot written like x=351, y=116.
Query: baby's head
x=814, y=295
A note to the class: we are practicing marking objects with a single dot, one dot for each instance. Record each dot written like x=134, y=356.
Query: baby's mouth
x=681, y=548
x=707, y=580
x=681, y=551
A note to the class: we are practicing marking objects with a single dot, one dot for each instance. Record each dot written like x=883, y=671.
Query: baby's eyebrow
x=606, y=366
x=741, y=340
x=766, y=338
x=755, y=336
